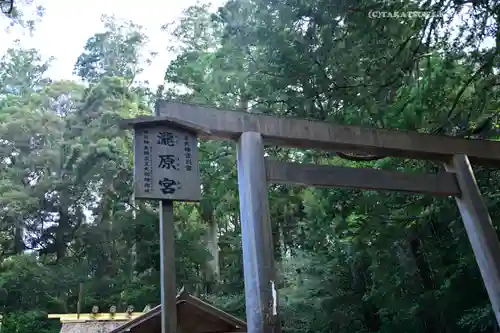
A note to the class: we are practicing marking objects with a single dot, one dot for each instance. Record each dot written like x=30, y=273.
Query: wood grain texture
x=228, y=125
x=480, y=230
x=168, y=285
x=442, y=184
x=258, y=256
x=168, y=290
x=148, y=121
x=166, y=171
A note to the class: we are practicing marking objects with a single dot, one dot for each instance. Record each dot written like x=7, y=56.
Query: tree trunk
x=212, y=245
x=213, y=268
x=18, y=238
x=430, y=315
x=369, y=310
x=62, y=229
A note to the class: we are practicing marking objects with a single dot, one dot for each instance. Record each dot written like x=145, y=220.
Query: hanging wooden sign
x=166, y=164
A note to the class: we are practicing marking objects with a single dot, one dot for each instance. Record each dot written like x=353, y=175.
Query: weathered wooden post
x=482, y=234
x=166, y=168
x=258, y=258
x=260, y=289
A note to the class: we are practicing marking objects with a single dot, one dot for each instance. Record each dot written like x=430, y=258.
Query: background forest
x=349, y=261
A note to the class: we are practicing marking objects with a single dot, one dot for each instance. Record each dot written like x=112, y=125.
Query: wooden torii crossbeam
x=253, y=131
x=218, y=124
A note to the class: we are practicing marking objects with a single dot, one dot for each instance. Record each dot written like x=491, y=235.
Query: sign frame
x=166, y=163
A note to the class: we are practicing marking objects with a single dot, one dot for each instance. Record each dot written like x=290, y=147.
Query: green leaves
x=313, y=60
x=349, y=261
x=114, y=53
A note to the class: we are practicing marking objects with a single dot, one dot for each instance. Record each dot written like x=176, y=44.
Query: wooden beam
x=441, y=184
x=261, y=301
x=168, y=290
x=228, y=125
x=147, y=121
x=482, y=234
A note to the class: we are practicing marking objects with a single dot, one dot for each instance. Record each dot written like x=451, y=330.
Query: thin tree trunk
x=18, y=238
x=62, y=230
x=430, y=315
x=362, y=282
x=213, y=248
x=212, y=244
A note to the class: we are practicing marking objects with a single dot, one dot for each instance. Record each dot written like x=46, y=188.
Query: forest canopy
x=348, y=261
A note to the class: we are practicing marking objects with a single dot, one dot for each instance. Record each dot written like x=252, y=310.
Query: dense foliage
x=349, y=261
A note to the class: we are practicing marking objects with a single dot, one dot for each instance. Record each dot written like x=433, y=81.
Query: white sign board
x=166, y=164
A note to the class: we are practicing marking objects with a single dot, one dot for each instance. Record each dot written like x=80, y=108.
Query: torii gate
x=252, y=132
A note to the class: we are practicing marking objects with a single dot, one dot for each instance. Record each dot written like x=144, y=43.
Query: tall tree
x=116, y=52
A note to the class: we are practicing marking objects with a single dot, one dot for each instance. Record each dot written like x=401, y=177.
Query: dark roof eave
x=184, y=297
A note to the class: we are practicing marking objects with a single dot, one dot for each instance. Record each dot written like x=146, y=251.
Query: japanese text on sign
x=147, y=163
x=166, y=164
x=187, y=153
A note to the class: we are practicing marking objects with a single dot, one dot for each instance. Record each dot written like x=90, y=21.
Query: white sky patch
x=67, y=25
